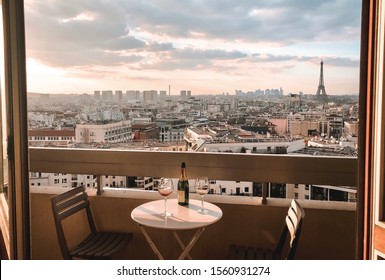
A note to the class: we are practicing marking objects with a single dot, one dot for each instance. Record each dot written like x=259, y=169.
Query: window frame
x=13, y=12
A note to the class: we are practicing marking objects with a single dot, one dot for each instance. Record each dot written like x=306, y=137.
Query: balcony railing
x=295, y=169
x=245, y=220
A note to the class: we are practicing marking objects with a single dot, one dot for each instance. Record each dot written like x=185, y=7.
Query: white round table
x=182, y=218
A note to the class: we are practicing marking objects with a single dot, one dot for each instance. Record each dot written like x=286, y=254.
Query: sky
x=206, y=46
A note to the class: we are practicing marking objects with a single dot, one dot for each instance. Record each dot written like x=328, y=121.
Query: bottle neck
x=183, y=174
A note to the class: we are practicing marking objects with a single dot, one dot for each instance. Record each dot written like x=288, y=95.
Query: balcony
x=329, y=229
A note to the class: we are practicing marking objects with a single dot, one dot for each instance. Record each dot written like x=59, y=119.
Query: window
x=243, y=111
x=281, y=56
x=355, y=17
x=278, y=190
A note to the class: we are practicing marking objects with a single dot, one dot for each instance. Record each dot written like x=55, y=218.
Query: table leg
x=193, y=240
x=185, y=249
x=181, y=243
x=152, y=244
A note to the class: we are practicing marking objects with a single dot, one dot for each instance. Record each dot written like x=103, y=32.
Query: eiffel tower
x=321, y=92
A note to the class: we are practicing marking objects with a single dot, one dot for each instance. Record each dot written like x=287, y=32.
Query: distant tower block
x=321, y=92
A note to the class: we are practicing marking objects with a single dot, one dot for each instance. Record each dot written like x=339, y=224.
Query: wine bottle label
x=181, y=196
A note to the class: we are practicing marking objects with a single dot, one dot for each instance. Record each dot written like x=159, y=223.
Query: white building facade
x=118, y=132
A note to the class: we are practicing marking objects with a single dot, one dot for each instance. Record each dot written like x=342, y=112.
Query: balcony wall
x=328, y=230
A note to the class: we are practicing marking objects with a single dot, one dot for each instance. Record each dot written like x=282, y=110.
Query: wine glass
x=165, y=188
x=202, y=187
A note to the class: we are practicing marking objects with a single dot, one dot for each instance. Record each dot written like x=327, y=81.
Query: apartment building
x=308, y=128
x=171, y=129
x=61, y=180
x=51, y=137
x=145, y=131
x=321, y=192
x=118, y=132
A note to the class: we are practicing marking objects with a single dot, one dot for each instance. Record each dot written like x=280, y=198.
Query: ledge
x=296, y=169
x=213, y=198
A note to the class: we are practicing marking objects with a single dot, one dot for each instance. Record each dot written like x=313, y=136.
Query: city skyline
x=208, y=48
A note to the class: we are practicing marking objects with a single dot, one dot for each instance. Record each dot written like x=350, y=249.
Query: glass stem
x=202, y=203
x=165, y=203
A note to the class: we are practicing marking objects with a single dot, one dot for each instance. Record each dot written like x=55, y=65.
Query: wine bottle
x=183, y=186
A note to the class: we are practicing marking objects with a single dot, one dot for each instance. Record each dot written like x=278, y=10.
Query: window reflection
x=3, y=124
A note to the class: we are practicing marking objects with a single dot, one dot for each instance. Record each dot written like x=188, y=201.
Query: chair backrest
x=65, y=205
x=293, y=227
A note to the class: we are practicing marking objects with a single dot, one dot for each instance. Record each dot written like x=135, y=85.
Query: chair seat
x=97, y=245
x=249, y=253
x=100, y=245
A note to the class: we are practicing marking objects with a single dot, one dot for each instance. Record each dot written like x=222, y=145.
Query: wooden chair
x=293, y=226
x=97, y=245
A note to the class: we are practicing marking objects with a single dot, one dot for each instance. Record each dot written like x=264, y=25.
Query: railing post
x=264, y=192
x=99, y=187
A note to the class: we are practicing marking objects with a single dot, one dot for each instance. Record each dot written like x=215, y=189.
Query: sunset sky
x=206, y=46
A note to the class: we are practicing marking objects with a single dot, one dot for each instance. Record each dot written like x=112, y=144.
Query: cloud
x=168, y=35
x=190, y=59
x=193, y=54
x=250, y=21
x=342, y=62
